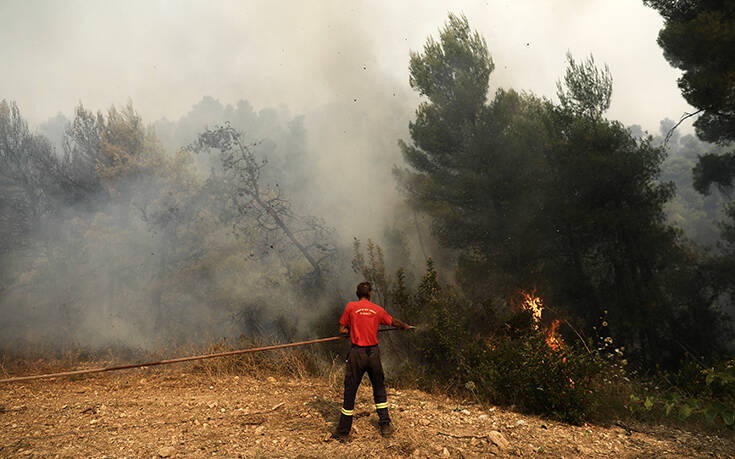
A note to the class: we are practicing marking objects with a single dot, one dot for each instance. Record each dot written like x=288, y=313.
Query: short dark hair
x=363, y=290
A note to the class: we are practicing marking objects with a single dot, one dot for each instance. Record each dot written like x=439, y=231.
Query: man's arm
x=344, y=322
x=402, y=325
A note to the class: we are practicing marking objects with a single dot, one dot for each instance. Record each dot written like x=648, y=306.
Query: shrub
x=708, y=394
x=513, y=365
x=526, y=372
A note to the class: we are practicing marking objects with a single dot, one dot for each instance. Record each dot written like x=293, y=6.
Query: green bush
x=708, y=394
x=512, y=366
x=526, y=372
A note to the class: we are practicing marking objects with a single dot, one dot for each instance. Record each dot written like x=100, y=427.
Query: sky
x=165, y=55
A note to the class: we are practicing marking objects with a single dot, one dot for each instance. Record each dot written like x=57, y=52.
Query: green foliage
x=714, y=169
x=527, y=373
x=511, y=366
x=400, y=293
x=698, y=38
x=552, y=196
x=693, y=393
x=587, y=89
x=453, y=73
x=444, y=334
x=372, y=269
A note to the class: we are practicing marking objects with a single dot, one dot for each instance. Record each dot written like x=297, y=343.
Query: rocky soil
x=181, y=412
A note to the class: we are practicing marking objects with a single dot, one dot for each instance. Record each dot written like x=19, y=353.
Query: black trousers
x=359, y=361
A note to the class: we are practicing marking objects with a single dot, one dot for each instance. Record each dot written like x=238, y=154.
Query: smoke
x=321, y=86
x=116, y=271
x=144, y=264
x=309, y=54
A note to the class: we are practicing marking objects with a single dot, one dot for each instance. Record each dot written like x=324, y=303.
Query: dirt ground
x=181, y=412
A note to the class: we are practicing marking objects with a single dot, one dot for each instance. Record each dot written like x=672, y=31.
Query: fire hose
x=180, y=359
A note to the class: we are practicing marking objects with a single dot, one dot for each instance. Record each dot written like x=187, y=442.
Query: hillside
x=183, y=412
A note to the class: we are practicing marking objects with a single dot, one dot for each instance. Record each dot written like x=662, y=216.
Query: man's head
x=363, y=290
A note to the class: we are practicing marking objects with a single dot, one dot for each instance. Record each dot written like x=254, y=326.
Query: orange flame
x=533, y=303
x=555, y=342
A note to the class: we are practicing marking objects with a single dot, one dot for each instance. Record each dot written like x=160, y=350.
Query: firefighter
x=361, y=320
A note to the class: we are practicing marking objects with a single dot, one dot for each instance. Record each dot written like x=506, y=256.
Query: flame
x=554, y=342
x=533, y=303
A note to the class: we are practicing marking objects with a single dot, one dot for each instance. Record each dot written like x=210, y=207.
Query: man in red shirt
x=361, y=320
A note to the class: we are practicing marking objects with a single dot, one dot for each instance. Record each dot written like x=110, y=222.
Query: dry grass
x=298, y=362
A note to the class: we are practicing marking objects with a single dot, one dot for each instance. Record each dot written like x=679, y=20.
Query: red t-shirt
x=363, y=318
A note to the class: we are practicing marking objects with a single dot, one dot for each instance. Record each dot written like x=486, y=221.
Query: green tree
x=606, y=206
x=586, y=90
x=476, y=168
x=538, y=195
x=698, y=38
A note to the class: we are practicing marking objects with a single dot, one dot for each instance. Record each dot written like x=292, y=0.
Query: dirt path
x=167, y=413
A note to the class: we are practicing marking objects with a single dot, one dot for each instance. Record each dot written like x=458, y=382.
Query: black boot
x=383, y=417
x=344, y=427
x=386, y=428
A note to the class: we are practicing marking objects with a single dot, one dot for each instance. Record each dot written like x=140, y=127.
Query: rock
x=466, y=412
x=424, y=422
x=498, y=440
x=271, y=379
x=259, y=430
x=445, y=452
x=520, y=422
x=167, y=451
x=482, y=417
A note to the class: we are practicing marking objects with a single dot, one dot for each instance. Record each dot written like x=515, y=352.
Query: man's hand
x=343, y=330
x=401, y=325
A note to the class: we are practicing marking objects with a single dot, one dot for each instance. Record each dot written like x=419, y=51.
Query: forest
x=551, y=258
